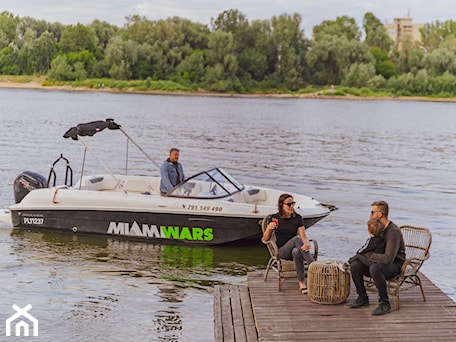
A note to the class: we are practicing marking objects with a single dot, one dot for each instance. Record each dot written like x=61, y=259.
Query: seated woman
x=291, y=237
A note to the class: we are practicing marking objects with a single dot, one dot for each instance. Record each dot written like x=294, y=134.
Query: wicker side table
x=326, y=283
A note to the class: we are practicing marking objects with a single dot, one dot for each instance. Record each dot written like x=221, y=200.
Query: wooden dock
x=290, y=316
x=233, y=315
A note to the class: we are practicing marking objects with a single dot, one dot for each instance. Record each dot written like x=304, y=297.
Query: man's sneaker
x=382, y=308
x=359, y=302
x=345, y=267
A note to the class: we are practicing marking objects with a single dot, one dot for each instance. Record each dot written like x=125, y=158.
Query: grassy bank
x=170, y=87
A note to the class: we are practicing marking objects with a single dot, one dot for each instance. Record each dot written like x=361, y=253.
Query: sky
x=313, y=12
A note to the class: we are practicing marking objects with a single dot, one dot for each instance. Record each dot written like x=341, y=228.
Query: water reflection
x=139, y=259
x=95, y=279
x=99, y=284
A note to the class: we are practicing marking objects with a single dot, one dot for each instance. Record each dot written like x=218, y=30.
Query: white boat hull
x=144, y=215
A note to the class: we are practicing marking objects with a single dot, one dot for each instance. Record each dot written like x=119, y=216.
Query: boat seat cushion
x=137, y=185
x=255, y=195
x=99, y=183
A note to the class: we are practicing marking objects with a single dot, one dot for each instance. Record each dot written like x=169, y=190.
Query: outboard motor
x=26, y=182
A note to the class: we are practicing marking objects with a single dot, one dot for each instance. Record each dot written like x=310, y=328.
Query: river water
x=348, y=153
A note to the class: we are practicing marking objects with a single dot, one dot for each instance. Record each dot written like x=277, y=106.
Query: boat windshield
x=214, y=183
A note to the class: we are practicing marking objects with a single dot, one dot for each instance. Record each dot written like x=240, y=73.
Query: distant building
x=403, y=28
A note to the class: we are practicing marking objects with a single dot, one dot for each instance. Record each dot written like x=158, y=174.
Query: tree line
x=233, y=54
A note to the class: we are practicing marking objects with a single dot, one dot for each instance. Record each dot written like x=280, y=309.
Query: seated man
x=384, y=265
x=172, y=172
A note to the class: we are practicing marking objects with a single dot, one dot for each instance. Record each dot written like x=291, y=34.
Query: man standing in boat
x=172, y=172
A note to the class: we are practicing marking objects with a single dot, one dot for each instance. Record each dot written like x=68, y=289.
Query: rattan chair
x=283, y=268
x=417, y=244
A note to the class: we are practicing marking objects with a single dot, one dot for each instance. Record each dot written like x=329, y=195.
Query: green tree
x=449, y=43
x=42, y=52
x=336, y=46
x=252, y=64
x=142, y=68
x=253, y=45
x=443, y=84
x=355, y=52
x=84, y=58
x=8, y=28
x=383, y=64
x=159, y=67
x=61, y=70
x=377, y=82
x=138, y=29
x=232, y=21
x=380, y=45
x=439, y=61
x=258, y=60
x=8, y=60
x=359, y=75
x=177, y=38
x=103, y=33
x=433, y=34
x=290, y=48
x=69, y=67
x=195, y=34
x=323, y=58
x=332, y=56
x=120, y=57
x=56, y=29
x=29, y=28
x=343, y=27
x=79, y=71
x=401, y=85
x=221, y=60
x=192, y=67
x=420, y=83
x=236, y=23
x=76, y=38
x=376, y=35
x=170, y=42
x=409, y=58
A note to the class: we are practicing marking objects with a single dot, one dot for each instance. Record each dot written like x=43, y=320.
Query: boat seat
x=254, y=195
x=99, y=183
x=137, y=185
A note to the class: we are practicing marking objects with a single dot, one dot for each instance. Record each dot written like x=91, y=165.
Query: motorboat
x=208, y=208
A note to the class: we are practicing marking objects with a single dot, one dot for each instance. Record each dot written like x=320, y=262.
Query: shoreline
x=35, y=85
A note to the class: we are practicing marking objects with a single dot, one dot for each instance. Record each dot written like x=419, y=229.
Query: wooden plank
x=227, y=317
x=249, y=322
x=289, y=316
x=218, y=324
x=236, y=313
